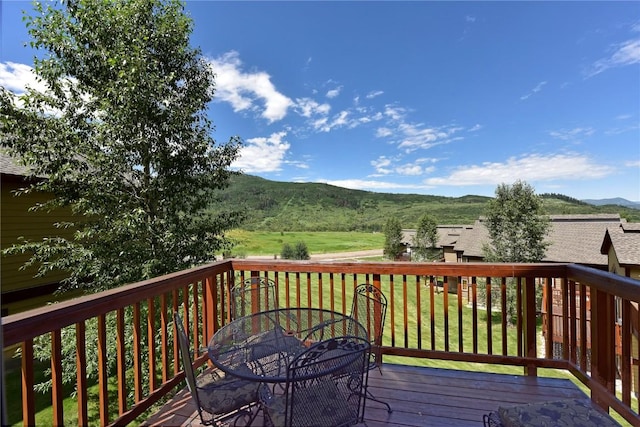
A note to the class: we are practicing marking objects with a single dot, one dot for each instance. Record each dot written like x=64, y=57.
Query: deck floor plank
x=421, y=396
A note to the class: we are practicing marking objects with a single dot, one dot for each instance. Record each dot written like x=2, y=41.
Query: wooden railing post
x=603, y=364
x=529, y=329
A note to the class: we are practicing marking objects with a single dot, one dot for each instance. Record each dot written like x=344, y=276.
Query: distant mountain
x=615, y=201
x=290, y=206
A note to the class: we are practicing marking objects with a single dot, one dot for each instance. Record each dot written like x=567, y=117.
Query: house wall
x=450, y=255
x=20, y=289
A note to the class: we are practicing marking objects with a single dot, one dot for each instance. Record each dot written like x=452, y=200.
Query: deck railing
x=470, y=312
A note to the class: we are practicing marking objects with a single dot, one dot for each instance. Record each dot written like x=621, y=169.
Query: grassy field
x=270, y=243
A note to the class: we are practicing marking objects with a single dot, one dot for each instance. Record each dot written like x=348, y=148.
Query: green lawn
x=270, y=243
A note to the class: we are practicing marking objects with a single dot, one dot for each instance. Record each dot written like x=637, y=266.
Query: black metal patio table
x=259, y=347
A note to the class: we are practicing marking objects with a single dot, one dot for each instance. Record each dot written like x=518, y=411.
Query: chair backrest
x=187, y=363
x=370, y=309
x=325, y=383
x=253, y=295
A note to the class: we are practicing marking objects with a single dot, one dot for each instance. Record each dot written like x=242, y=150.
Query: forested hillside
x=288, y=206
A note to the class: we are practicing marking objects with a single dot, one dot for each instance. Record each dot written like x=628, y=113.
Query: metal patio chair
x=370, y=309
x=313, y=395
x=253, y=295
x=213, y=392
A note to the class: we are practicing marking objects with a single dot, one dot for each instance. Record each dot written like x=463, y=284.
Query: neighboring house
x=448, y=235
x=572, y=238
x=20, y=289
x=622, y=247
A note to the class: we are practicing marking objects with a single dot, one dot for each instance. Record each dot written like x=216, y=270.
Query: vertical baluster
x=547, y=300
x=332, y=294
x=392, y=310
x=573, y=316
x=530, y=323
x=137, y=356
x=309, y=292
x=176, y=349
x=209, y=308
x=625, y=368
x=56, y=377
x=298, y=298
x=164, y=342
x=320, y=301
x=287, y=290
x=121, y=362
x=474, y=312
x=584, y=334
x=520, y=333
x=343, y=288
x=445, y=302
x=419, y=314
x=151, y=329
x=405, y=309
x=28, y=398
x=505, y=315
x=564, y=287
x=195, y=317
x=488, y=310
x=81, y=374
x=103, y=393
x=460, y=320
x=432, y=309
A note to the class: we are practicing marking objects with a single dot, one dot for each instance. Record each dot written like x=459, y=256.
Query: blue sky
x=443, y=98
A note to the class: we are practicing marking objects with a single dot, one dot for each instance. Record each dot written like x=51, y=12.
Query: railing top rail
x=621, y=286
x=407, y=268
x=29, y=324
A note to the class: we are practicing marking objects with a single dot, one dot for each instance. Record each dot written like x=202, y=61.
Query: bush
x=300, y=251
x=287, y=251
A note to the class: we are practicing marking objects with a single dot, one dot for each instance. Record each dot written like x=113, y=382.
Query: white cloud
x=17, y=77
x=339, y=120
x=263, y=154
x=243, y=89
x=360, y=184
x=632, y=164
x=625, y=53
x=374, y=94
x=383, y=132
x=394, y=113
x=534, y=167
x=535, y=90
x=334, y=92
x=386, y=166
x=414, y=137
x=470, y=18
x=382, y=165
x=572, y=134
x=308, y=107
x=475, y=128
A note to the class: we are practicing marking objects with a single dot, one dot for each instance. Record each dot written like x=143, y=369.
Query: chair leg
x=248, y=413
x=370, y=396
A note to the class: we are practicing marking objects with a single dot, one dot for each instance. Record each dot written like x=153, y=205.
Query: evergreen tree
x=393, y=246
x=425, y=239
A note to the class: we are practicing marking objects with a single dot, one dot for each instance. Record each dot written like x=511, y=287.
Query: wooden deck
x=421, y=396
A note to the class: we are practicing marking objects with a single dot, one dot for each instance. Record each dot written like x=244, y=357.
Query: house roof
x=572, y=238
x=625, y=241
x=447, y=234
x=10, y=166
